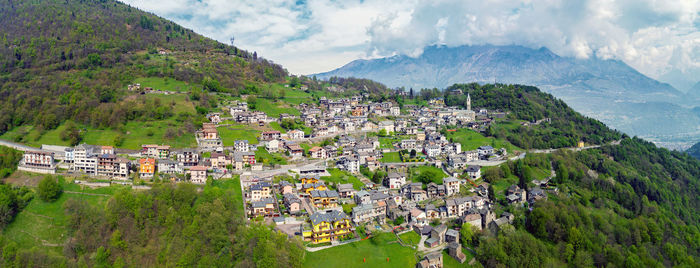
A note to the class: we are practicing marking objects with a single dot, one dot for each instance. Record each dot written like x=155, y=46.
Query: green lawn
x=43, y=224
x=229, y=134
x=391, y=157
x=267, y=158
x=234, y=184
x=340, y=176
x=372, y=252
x=387, y=142
x=296, y=97
x=276, y=126
x=471, y=140
x=411, y=238
x=164, y=83
x=274, y=108
x=420, y=169
x=137, y=133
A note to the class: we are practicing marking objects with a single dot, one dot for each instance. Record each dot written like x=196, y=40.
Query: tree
x=382, y=133
x=49, y=190
x=492, y=193
x=399, y=220
x=466, y=234
x=413, y=153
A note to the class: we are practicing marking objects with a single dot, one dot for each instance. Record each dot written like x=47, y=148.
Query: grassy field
x=43, y=225
x=296, y=97
x=471, y=140
x=341, y=176
x=420, y=169
x=137, y=133
x=164, y=83
x=372, y=252
x=234, y=184
x=411, y=238
x=267, y=158
x=229, y=134
x=274, y=108
x=391, y=157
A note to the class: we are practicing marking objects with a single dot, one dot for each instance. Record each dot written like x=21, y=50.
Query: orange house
x=147, y=167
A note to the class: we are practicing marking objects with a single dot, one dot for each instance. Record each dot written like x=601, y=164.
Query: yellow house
x=328, y=226
x=580, y=144
x=317, y=186
x=324, y=199
x=309, y=180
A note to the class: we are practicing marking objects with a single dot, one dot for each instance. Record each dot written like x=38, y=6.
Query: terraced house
x=324, y=199
x=328, y=226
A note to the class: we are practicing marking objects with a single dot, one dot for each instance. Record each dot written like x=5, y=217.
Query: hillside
x=608, y=90
x=73, y=60
x=694, y=151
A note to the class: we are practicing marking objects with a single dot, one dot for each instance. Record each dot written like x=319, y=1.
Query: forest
x=169, y=225
x=638, y=210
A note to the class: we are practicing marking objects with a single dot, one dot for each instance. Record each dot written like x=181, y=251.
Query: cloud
x=653, y=36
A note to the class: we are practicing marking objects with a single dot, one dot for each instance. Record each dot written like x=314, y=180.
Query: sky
x=659, y=38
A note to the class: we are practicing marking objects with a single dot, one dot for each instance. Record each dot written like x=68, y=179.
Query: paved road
x=17, y=146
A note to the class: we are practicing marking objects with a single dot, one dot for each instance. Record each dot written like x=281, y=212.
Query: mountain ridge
x=608, y=90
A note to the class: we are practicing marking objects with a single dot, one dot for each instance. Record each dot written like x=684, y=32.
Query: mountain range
x=608, y=90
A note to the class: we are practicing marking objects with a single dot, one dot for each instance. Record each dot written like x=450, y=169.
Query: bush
x=49, y=190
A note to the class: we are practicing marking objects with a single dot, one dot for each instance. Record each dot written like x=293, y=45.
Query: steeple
x=469, y=102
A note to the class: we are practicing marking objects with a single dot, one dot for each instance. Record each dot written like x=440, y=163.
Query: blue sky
x=659, y=38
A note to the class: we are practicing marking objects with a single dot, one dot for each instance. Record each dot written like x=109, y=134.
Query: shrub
x=49, y=190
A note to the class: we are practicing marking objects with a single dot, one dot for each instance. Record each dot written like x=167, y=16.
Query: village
x=355, y=169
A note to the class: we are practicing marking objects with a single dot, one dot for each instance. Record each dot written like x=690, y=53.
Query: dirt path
x=73, y=192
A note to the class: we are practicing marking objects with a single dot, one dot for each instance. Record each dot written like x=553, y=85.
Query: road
x=17, y=146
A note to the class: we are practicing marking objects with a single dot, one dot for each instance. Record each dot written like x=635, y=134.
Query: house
x=420, y=135
x=451, y=185
x=328, y=226
x=272, y=146
x=219, y=160
x=38, y=162
x=318, y=152
x=294, y=150
x=147, y=167
x=515, y=195
x=188, y=158
x=454, y=249
x=451, y=235
x=260, y=190
x=85, y=159
x=387, y=125
x=418, y=217
x=292, y=203
x=408, y=144
x=473, y=219
x=198, y=174
x=167, y=166
x=241, y=146
x=368, y=212
x=485, y=150
x=270, y=135
x=363, y=197
x=535, y=195
x=395, y=180
x=208, y=136
x=346, y=190
x=432, y=150
x=295, y=134
x=264, y=207
x=308, y=179
x=324, y=199
x=286, y=187
x=155, y=151
x=315, y=186
x=474, y=172
x=431, y=260
x=438, y=233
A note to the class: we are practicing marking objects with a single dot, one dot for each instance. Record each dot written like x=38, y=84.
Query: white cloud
x=653, y=36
